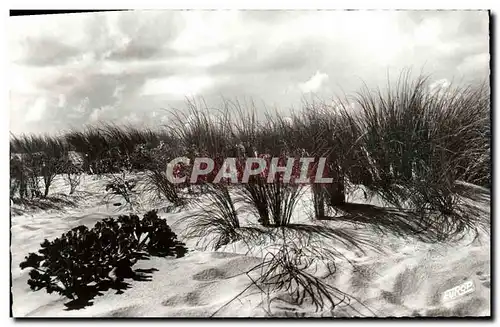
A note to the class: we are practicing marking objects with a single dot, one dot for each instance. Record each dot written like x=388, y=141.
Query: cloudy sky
x=127, y=67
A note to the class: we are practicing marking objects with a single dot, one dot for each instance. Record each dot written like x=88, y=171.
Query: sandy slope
x=408, y=278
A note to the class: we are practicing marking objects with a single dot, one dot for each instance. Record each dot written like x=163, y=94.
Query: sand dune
x=408, y=278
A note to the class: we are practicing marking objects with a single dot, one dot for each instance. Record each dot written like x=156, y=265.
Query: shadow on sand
x=86, y=296
x=22, y=206
x=428, y=227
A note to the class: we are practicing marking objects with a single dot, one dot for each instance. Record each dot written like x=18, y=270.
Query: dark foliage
x=84, y=259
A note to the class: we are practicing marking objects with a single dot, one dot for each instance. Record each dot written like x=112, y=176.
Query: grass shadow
x=58, y=203
x=472, y=192
x=425, y=227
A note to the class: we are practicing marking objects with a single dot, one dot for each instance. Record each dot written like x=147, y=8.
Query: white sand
x=409, y=278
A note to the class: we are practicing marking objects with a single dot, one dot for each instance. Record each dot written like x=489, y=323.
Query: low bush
x=72, y=175
x=84, y=258
x=122, y=186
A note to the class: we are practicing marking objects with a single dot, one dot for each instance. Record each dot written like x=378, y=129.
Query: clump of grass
x=161, y=188
x=215, y=223
x=93, y=142
x=107, y=146
x=418, y=143
x=288, y=271
x=37, y=156
x=273, y=203
x=201, y=131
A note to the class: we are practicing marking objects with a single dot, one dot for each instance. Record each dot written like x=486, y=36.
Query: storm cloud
x=75, y=69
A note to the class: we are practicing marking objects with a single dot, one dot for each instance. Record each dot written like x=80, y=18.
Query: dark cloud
x=473, y=23
x=138, y=50
x=102, y=90
x=270, y=16
x=286, y=56
x=47, y=52
x=148, y=37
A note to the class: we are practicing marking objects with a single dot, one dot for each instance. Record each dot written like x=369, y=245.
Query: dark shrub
x=84, y=258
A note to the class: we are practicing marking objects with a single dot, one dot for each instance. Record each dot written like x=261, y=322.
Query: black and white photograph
x=234, y=163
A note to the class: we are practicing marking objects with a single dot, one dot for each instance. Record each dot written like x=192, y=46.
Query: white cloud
x=118, y=93
x=35, y=112
x=474, y=62
x=428, y=32
x=314, y=83
x=178, y=86
x=208, y=59
x=20, y=81
x=79, y=110
x=438, y=85
x=208, y=31
x=62, y=101
x=132, y=118
x=100, y=113
x=94, y=116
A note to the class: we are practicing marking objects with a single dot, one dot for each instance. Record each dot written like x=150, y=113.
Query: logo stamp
x=459, y=291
